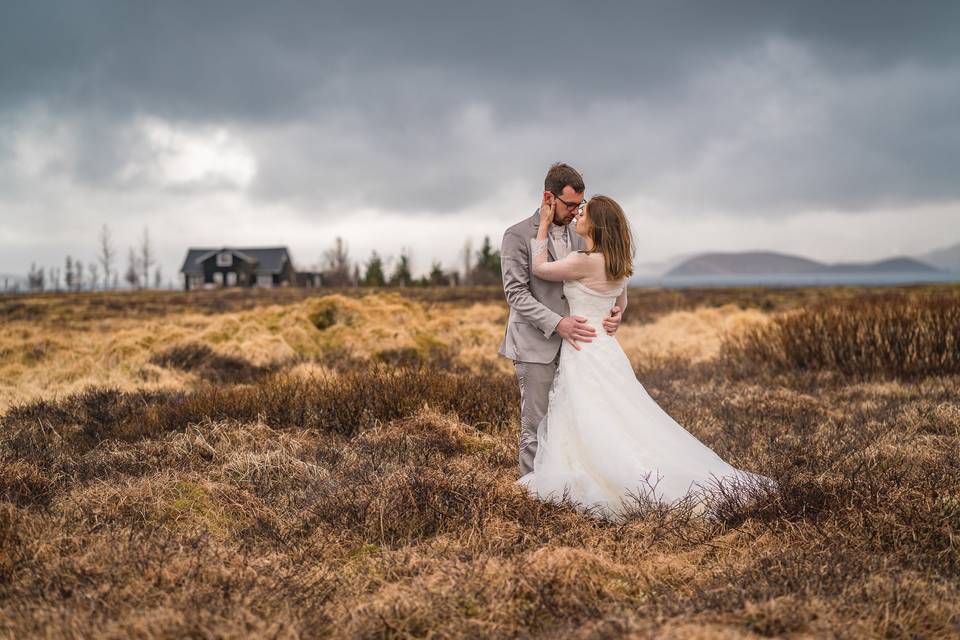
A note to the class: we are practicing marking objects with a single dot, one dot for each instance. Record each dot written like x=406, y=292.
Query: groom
x=539, y=319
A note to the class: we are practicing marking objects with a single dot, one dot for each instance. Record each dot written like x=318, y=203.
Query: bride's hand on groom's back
x=575, y=329
x=612, y=322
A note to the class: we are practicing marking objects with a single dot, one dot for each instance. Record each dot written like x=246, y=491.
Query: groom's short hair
x=563, y=175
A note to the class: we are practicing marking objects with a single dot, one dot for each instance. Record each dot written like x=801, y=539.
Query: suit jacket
x=536, y=306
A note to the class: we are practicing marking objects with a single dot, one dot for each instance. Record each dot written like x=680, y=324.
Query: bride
x=604, y=443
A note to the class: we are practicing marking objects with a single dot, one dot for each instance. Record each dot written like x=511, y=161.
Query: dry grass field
x=285, y=464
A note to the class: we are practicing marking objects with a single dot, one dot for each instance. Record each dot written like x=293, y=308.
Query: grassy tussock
x=200, y=359
x=65, y=343
x=343, y=404
x=894, y=335
x=59, y=353
x=71, y=308
x=380, y=502
x=224, y=523
x=693, y=336
x=174, y=353
x=648, y=304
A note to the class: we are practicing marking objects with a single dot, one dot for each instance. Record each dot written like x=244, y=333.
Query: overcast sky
x=828, y=129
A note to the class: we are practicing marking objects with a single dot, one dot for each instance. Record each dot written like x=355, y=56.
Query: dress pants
x=535, y=379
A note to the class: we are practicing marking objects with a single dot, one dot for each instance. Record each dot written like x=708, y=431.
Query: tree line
x=338, y=270
x=480, y=267
x=103, y=272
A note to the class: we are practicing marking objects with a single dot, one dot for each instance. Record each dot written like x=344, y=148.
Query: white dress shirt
x=561, y=240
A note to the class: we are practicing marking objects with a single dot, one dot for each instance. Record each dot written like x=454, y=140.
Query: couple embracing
x=589, y=432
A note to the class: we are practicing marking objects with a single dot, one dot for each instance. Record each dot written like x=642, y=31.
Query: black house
x=240, y=267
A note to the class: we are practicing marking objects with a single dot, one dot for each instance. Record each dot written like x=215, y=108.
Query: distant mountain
x=744, y=263
x=768, y=262
x=891, y=265
x=947, y=258
x=661, y=266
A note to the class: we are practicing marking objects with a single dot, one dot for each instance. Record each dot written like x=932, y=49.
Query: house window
x=196, y=281
x=231, y=278
x=225, y=259
x=264, y=280
x=217, y=278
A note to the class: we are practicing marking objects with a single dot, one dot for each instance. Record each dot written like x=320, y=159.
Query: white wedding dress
x=605, y=444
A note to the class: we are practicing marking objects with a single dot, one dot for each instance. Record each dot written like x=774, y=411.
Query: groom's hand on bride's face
x=575, y=329
x=612, y=322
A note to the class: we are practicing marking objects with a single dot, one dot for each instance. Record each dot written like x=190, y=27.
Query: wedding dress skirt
x=607, y=446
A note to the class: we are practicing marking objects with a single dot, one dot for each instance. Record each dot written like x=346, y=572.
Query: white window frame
x=231, y=278
x=224, y=259
x=264, y=280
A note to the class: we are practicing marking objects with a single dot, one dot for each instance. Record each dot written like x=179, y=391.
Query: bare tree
x=35, y=279
x=55, y=278
x=157, y=278
x=68, y=273
x=336, y=264
x=92, y=270
x=132, y=275
x=147, y=259
x=467, y=253
x=78, y=275
x=107, y=255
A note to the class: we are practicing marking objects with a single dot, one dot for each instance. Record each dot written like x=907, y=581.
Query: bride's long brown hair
x=611, y=236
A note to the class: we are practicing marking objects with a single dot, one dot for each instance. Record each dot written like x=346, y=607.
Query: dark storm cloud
x=432, y=106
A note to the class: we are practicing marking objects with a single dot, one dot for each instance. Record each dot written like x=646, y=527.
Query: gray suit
x=530, y=340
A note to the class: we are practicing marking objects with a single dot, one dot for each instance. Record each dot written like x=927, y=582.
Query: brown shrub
x=24, y=484
x=153, y=582
x=435, y=356
x=343, y=404
x=646, y=304
x=393, y=506
x=548, y=592
x=413, y=527
x=894, y=335
x=196, y=357
x=340, y=507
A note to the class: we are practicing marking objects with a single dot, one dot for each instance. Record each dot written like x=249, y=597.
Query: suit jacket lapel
x=551, y=250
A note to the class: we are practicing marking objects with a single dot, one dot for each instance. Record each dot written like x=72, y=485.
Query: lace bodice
x=585, y=282
x=584, y=301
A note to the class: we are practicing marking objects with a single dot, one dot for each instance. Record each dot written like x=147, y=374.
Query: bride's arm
x=573, y=267
x=569, y=268
x=622, y=299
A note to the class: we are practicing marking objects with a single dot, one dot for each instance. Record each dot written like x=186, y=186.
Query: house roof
x=267, y=259
x=236, y=252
